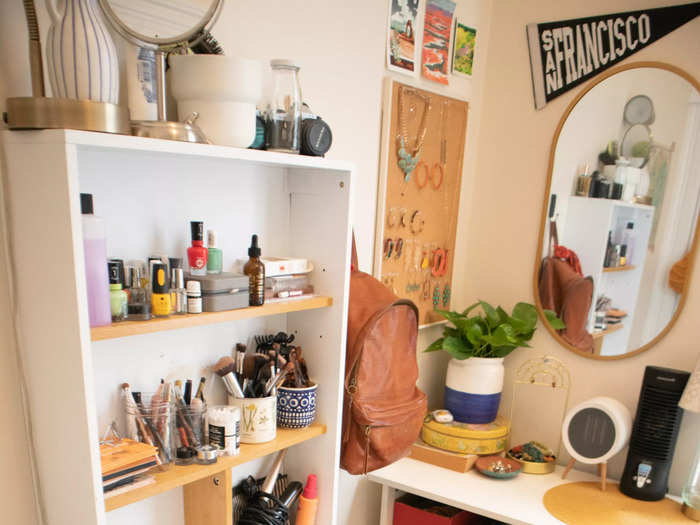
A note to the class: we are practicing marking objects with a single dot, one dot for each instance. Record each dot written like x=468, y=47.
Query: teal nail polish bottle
x=216, y=256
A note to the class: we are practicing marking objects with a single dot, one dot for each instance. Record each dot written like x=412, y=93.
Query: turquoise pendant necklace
x=409, y=157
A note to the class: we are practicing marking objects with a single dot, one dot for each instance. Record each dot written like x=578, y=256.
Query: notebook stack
x=125, y=464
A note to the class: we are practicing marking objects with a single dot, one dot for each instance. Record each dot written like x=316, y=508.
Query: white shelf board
x=111, y=141
x=615, y=202
x=517, y=501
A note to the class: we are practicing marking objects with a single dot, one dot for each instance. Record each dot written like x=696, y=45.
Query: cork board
x=583, y=503
x=417, y=218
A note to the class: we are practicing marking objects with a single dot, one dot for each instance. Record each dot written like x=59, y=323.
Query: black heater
x=654, y=434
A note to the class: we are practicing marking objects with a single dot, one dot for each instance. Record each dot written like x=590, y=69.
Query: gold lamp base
x=66, y=113
x=690, y=512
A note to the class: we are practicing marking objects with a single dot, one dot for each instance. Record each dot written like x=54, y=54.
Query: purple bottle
x=95, y=264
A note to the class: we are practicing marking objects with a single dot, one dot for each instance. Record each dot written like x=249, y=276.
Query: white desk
x=517, y=501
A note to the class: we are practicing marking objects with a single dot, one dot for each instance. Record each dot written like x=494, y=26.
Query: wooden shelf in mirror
x=174, y=322
x=609, y=330
x=178, y=476
x=627, y=268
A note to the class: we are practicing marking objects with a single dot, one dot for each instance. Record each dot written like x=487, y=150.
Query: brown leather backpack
x=383, y=410
x=563, y=290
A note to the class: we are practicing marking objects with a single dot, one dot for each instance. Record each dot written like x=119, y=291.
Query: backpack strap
x=353, y=259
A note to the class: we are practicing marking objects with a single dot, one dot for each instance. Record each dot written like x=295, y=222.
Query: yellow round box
x=534, y=467
x=465, y=438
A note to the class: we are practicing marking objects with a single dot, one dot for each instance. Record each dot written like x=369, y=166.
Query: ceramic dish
x=537, y=451
x=498, y=467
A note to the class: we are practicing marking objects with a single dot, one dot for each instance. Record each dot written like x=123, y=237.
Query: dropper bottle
x=255, y=270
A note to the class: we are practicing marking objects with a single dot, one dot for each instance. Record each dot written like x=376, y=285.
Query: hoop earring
x=441, y=169
x=439, y=263
x=388, y=247
x=426, y=170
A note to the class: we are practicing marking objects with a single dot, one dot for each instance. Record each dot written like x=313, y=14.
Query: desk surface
x=517, y=501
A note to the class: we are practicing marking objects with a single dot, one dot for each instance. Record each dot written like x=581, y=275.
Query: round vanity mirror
x=163, y=25
x=619, y=225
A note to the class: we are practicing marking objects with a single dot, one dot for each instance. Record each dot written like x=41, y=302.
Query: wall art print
x=401, y=37
x=436, y=39
x=464, y=45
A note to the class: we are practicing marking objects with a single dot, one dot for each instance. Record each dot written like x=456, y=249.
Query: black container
x=654, y=434
x=616, y=191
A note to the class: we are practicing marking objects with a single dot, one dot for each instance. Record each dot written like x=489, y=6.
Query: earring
x=446, y=293
x=436, y=296
x=399, y=247
x=388, y=247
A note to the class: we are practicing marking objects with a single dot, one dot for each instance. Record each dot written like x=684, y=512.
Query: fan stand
x=602, y=472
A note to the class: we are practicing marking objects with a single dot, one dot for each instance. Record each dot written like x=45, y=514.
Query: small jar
x=194, y=297
x=191, y=428
x=151, y=420
x=224, y=429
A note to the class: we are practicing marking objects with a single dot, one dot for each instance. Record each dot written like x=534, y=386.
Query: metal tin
x=532, y=467
x=206, y=455
x=463, y=438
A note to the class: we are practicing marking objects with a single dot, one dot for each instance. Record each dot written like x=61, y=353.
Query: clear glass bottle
x=139, y=306
x=178, y=294
x=283, y=118
x=691, y=490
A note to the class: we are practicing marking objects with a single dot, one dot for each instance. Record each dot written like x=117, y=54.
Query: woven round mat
x=583, y=503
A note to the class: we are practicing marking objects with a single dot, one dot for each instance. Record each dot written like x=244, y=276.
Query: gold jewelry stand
x=65, y=113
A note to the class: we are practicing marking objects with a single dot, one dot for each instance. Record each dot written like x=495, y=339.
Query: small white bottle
x=194, y=297
x=178, y=295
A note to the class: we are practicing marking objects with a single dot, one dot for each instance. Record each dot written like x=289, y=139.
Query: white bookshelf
x=586, y=233
x=147, y=191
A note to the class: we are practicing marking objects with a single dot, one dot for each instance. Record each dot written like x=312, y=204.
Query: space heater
x=654, y=434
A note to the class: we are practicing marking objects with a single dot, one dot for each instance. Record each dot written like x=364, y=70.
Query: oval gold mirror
x=619, y=223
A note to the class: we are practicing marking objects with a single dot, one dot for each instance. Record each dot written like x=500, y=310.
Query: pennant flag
x=567, y=53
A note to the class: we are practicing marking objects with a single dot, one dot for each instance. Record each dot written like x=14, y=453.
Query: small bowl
x=534, y=467
x=296, y=407
x=485, y=465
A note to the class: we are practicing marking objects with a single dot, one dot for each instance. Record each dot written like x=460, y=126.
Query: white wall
x=340, y=47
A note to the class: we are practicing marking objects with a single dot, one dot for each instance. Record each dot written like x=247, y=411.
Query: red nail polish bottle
x=197, y=253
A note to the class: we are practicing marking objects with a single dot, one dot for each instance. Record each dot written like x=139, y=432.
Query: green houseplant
x=493, y=334
x=477, y=345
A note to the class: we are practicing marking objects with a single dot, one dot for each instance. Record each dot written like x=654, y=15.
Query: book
x=136, y=484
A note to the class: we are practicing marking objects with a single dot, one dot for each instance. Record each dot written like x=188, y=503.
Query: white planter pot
x=473, y=388
x=223, y=90
x=80, y=55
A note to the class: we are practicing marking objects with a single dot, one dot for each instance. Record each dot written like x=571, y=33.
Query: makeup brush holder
x=296, y=407
x=153, y=421
x=258, y=418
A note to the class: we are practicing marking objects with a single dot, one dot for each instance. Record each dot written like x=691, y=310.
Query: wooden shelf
x=609, y=330
x=174, y=322
x=178, y=476
x=627, y=268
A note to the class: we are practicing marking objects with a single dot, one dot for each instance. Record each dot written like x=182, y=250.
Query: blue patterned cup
x=296, y=407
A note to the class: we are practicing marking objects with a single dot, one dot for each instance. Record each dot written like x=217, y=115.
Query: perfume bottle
x=178, y=295
x=160, y=295
x=139, y=307
x=197, y=253
x=215, y=256
x=117, y=297
x=255, y=270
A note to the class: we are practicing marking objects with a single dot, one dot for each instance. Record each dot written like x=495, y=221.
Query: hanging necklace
x=409, y=159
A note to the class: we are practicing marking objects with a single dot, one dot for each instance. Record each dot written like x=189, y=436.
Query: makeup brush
x=224, y=368
x=278, y=379
x=200, y=390
x=188, y=392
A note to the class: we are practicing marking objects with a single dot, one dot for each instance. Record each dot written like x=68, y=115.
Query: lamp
x=691, y=491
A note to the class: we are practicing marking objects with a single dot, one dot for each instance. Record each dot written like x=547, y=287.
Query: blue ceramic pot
x=296, y=407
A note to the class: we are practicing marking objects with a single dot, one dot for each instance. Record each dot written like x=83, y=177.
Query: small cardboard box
x=414, y=510
x=421, y=451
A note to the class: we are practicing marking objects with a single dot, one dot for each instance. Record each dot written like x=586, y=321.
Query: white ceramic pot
x=473, y=388
x=80, y=54
x=258, y=418
x=223, y=90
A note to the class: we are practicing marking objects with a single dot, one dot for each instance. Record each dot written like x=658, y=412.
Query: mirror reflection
x=622, y=210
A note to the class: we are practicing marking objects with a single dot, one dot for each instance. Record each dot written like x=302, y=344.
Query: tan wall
x=511, y=171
